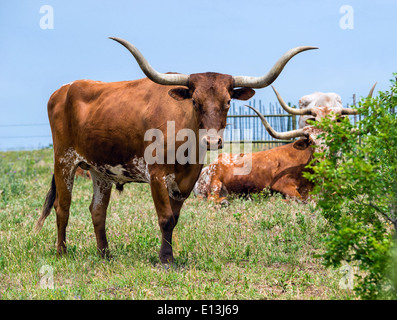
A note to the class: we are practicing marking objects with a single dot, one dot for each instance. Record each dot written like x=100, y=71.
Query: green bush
x=356, y=186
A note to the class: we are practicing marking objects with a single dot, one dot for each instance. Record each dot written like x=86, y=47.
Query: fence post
x=354, y=104
x=293, y=122
x=293, y=118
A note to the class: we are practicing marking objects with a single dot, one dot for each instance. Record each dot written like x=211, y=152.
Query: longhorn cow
x=279, y=169
x=101, y=127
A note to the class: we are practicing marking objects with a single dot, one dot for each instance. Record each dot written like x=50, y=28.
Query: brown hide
x=102, y=125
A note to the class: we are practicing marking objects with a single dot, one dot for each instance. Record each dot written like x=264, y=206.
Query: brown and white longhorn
x=101, y=127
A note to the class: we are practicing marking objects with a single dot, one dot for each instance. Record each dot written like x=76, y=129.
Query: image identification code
x=206, y=309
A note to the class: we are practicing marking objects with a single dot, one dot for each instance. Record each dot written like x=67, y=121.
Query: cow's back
x=107, y=121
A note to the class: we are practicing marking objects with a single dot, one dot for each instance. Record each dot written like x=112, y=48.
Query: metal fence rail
x=244, y=125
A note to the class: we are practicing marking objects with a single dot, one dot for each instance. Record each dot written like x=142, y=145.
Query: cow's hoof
x=169, y=266
x=106, y=255
x=168, y=263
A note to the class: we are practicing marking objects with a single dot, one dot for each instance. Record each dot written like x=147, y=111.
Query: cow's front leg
x=216, y=188
x=168, y=214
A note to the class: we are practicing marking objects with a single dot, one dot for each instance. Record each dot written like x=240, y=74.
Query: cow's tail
x=48, y=204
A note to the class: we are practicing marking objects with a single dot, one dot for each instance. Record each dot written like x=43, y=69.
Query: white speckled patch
x=201, y=187
x=70, y=160
x=136, y=171
x=172, y=187
x=100, y=185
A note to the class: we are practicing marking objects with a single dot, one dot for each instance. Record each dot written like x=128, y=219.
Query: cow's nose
x=220, y=143
x=213, y=143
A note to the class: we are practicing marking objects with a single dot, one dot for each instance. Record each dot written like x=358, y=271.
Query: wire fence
x=243, y=125
x=24, y=136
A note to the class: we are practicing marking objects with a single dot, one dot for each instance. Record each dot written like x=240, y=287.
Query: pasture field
x=262, y=248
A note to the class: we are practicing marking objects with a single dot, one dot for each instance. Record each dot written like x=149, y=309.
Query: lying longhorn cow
x=279, y=169
x=101, y=127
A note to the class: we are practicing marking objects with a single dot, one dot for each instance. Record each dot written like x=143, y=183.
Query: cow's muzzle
x=212, y=142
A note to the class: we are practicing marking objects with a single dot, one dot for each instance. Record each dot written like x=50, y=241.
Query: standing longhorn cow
x=101, y=127
x=279, y=169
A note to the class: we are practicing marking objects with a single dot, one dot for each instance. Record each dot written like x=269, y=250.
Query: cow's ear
x=302, y=144
x=243, y=93
x=179, y=93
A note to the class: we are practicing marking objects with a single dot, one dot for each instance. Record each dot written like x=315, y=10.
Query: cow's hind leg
x=63, y=176
x=98, y=207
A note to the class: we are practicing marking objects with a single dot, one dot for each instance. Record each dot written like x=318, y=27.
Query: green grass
x=255, y=249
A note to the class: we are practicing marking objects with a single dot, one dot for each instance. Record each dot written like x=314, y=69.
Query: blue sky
x=233, y=37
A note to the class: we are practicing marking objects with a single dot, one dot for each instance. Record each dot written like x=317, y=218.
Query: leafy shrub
x=356, y=186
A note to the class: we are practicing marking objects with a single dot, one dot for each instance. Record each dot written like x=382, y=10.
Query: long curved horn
x=348, y=111
x=286, y=107
x=372, y=90
x=279, y=135
x=160, y=78
x=264, y=81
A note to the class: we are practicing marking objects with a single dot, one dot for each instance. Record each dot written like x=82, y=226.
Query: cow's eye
x=194, y=103
x=228, y=104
